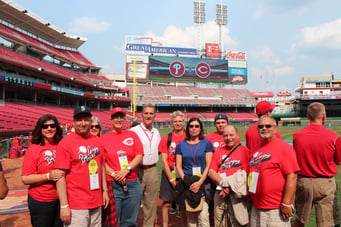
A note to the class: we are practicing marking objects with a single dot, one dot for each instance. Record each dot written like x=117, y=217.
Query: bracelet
x=65, y=206
x=105, y=190
x=48, y=176
x=113, y=174
x=171, y=180
x=286, y=205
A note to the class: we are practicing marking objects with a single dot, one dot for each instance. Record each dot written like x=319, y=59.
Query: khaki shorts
x=321, y=193
x=268, y=218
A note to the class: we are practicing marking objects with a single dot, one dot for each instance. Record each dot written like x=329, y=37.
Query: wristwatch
x=129, y=168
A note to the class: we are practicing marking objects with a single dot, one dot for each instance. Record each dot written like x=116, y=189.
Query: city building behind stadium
x=43, y=72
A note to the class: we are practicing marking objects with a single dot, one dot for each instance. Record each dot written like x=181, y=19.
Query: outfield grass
x=287, y=135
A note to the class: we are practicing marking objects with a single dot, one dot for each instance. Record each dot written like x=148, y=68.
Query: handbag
x=195, y=209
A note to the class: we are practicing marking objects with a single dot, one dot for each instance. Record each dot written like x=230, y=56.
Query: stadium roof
x=21, y=18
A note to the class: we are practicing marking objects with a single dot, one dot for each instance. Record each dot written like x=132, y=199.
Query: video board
x=173, y=68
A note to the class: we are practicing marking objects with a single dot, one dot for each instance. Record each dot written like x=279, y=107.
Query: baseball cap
x=117, y=110
x=81, y=110
x=221, y=116
x=263, y=107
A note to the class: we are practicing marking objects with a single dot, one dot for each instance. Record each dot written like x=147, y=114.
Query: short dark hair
x=315, y=110
x=202, y=133
x=37, y=137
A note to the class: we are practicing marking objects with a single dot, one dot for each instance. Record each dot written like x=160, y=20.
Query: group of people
x=90, y=179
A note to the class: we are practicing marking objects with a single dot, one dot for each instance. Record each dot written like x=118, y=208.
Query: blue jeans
x=127, y=203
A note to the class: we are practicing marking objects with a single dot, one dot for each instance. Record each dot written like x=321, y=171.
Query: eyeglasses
x=266, y=126
x=46, y=126
x=95, y=126
x=194, y=126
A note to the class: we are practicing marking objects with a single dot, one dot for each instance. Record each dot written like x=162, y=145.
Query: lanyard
x=195, y=152
x=149, y=138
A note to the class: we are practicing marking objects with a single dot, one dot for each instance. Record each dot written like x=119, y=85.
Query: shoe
x=178, y=214
x=172, y=211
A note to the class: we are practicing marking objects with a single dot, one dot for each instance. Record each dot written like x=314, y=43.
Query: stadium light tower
x=199, y=18
x=221, y=21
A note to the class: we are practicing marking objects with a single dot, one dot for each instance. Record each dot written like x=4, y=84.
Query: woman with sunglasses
x=123, y=152
x=38, y=172
x=193, y=158
x=96, y=126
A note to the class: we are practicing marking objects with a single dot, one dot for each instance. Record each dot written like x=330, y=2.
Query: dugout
x=290, y=121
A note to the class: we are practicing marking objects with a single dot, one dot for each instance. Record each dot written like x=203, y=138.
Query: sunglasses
x=266, y=126
x=194, y=126
x=95, y=126
x=46, y=126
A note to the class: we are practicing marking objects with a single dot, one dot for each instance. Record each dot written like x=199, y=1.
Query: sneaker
x=172, y=211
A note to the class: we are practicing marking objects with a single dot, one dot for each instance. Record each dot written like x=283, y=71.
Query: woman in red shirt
x=38, y=172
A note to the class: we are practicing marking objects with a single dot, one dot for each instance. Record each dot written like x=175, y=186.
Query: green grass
x=287, y=136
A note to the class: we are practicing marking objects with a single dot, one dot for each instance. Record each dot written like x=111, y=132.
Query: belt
x=147, y=166
x=313, y=177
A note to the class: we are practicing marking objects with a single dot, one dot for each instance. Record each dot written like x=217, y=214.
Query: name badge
x=94, y=178
x=196, y=171
x=252, y=181
x=123, y=159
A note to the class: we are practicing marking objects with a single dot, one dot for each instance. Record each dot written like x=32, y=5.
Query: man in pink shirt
x=318, y=153
x=252, y=138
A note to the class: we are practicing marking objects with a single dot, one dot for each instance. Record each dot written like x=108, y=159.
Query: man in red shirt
x=167, y=149
x=272, y=177
x=216, y=138
x=226, y=162
x=251, y=135
x=83, y=189
x=318, y=153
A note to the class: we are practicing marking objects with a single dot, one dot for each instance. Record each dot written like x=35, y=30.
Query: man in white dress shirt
x=150, y=138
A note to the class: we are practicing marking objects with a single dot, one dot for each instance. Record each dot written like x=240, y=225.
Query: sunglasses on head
x=46, y=126
x=95, y=126
x=266, y=126
x=194, y=126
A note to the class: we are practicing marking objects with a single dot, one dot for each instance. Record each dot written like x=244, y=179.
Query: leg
x=131, y=204
x=203, y=218
x=219, y=210
x=165, y=209
x=79, y=218
x=150, y=196
x=95, y=217
x=118, y=195
x=297, y=223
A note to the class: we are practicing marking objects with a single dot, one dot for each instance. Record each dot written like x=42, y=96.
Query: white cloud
x=327, y=35
x=264, y=55
x=188, y=37
x=284, y=71
x=84, y=25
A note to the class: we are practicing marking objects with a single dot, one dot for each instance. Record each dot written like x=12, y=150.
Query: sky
x=283, y=40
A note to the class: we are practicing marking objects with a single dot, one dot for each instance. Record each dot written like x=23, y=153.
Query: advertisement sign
x=149, y=49
x=187, y=69
x=235, y=79
x=237, y=55
x=237, y=64
x=139, y=70
x=137, y=58
x=212, y=50
x=238, y=71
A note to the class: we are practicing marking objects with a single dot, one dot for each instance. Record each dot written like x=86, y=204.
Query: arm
x=3, y=185
x=179, y=166
x=65, y=211
x=214, y=176
x=105, y=188
x=196, y=186
x=54, y=175
x=289, y=191
x=122, y=174
x=166, y=169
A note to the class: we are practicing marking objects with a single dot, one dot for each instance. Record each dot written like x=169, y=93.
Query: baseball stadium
x=42, y=72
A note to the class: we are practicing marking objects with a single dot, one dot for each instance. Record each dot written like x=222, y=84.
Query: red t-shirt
x=216, y=139
x=127, y=141
x=273, y=161
x=171, y=151
x=318, y=151
x=40, y=160
x=239, y=159
x=252, y=137
x=74, y=154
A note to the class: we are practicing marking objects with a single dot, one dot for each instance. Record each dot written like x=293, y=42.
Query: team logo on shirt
x=129, y=141
x=230, y=163
x=49, y=156
x=259, y=157
x=172, y=148
x=86, y=154
x=217, y=144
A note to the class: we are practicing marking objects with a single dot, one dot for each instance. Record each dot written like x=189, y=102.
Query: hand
x=173, y=183
x=56, y=174
x=121, y=175
x=222, y=194
x=105, y=199
x=65, y=215
x=226, y=190
x=287, y=211
x=195, y=187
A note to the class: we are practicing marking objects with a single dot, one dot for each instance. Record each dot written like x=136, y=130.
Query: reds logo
x=203, y=70
x=128, y=141
x=50, y=156
x=86, y=154
x=230, y=163
x=259, y=157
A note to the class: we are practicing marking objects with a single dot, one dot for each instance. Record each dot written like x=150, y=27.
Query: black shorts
x=166, y=189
